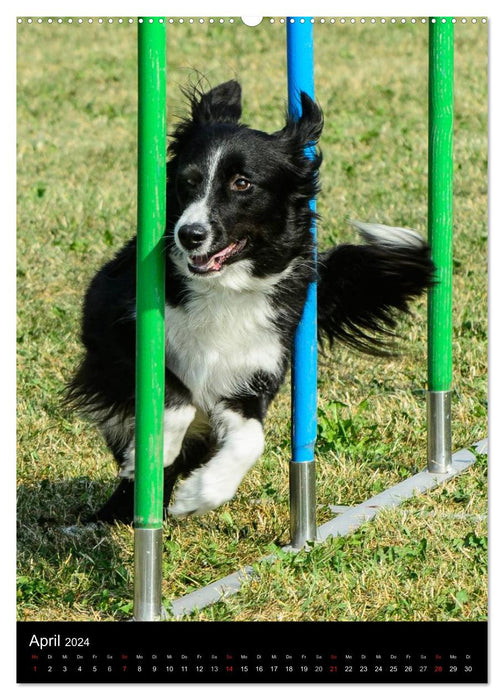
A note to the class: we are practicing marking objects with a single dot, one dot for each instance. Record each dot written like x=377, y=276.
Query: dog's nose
x=192, y=236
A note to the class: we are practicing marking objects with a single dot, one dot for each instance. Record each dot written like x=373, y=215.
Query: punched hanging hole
x=251, y=21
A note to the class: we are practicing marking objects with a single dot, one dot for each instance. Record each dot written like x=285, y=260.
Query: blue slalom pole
x=300, y=78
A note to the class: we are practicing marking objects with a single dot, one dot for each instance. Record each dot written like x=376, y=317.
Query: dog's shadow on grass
x=66, y=566
x=53, y=534
x=52, y=504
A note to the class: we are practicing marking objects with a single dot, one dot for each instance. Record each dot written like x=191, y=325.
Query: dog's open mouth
x=213, y=262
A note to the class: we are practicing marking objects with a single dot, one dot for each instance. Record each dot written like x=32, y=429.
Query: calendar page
x=252, y=349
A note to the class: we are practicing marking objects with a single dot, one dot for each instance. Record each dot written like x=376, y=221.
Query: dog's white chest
x=219, y=341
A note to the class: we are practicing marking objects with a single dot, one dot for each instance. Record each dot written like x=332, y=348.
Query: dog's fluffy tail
x=362, y=288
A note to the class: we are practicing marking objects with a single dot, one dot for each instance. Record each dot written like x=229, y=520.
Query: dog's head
x=234, y=191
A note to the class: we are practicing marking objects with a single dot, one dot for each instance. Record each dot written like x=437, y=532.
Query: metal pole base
x=148, y=575
x=302, y=504
x=439, y=448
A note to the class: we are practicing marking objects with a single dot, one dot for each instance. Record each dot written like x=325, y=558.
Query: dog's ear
x=221, y=104
x=308, y=127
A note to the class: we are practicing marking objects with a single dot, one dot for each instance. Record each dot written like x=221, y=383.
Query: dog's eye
x=240, y=184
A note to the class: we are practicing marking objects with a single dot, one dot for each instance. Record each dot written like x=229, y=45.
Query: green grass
x=76, y=189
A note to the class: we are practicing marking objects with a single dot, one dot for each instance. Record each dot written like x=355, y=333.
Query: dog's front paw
x=200, y=493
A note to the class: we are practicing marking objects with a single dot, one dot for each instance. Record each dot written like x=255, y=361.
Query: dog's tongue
x=204, y=263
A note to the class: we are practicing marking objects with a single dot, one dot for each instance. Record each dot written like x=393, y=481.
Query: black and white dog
x=239, y=256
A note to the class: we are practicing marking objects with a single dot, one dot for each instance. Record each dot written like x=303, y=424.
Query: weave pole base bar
x=340, y=526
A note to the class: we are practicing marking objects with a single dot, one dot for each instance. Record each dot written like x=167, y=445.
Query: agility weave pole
x=440, y=229
x=300, y=78
x=150, y=334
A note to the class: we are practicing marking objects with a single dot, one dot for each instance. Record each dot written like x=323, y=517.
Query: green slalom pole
x=150, y=360
x=440, y=227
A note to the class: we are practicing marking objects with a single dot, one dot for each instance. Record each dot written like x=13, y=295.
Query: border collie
x=239, y=257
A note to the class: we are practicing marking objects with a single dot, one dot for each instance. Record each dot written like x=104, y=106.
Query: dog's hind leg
x=240, y=443
x=176, y=421
x=119, y=507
